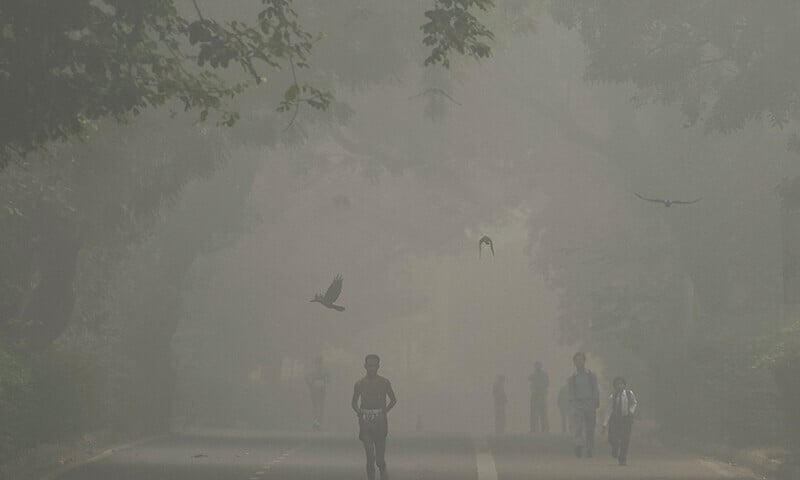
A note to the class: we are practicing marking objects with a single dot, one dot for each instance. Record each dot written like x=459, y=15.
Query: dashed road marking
x=275, y=461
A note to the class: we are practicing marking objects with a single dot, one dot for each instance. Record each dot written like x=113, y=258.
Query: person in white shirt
x=619, y=419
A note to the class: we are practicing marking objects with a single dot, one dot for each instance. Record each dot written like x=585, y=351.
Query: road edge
x=759, y=464
x=102, y=455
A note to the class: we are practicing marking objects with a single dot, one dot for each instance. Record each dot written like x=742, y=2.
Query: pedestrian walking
x=500, y=401
x=584, y=399
x=622, y=405
x=539, y=383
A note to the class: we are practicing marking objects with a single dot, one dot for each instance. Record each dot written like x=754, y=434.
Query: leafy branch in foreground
x=66, y=64
x=452, y=26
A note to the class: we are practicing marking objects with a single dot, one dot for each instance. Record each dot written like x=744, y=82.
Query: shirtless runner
x=373, y=425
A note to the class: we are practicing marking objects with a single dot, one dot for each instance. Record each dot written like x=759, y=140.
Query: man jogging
x=373, y=426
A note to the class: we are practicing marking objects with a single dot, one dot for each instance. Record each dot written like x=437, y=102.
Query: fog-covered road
x=243, y=456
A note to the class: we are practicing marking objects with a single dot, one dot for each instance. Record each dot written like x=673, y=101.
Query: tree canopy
x=724, y=62
x=66, y=63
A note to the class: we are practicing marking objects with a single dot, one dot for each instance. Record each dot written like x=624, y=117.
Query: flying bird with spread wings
x=668, y=203
x=333, y=292
x=485, y=240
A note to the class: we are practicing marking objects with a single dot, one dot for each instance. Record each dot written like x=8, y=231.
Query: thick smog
x=363, y=239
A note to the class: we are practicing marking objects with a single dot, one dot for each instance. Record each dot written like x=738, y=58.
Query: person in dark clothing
x=500, y=401
x=584, y=398
x=373, y=426
x=563, y=409
x=622, y=405
x=539, y=383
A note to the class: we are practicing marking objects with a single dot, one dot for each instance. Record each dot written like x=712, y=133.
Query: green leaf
x=8, y=31
x=291, y=92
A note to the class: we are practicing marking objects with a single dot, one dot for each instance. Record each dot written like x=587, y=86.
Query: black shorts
x=372, y=427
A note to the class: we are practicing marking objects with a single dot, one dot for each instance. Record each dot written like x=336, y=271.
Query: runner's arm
x=392, y=399
x=354, y=403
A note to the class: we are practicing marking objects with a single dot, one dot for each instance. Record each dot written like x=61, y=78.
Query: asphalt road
x=324, y=456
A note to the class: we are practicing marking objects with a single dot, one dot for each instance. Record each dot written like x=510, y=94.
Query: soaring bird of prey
x=436, y=91
x=333, y=292
x=485, y=240
x=668, y=203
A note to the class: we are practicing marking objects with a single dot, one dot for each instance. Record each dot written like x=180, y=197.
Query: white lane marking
x=275, y=461
x=484, y=461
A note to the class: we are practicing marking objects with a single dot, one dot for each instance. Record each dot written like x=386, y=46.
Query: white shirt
x=627, y=409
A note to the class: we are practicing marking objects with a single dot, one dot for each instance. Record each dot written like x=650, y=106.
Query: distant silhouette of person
x=500, y=401
x=584, y=398
x=373, y=426
x=564, y=409
x=539, y=383
x=318, y=379
x=619, y=419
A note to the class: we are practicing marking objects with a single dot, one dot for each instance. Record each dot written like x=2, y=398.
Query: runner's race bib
x=371, y=415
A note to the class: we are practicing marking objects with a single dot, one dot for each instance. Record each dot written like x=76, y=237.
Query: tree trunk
x=46, y=315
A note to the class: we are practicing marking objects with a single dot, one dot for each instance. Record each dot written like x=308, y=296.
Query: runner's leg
x=369, y=449
x=380, y=455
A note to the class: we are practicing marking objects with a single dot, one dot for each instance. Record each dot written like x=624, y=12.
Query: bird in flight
x=668, y=203
x=333, y=292
x=436, y=91
x=485, y=240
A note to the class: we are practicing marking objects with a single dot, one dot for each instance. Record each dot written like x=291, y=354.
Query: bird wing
x=657, y=200
x=491, y=246
x=334, y=290
x=687, y=203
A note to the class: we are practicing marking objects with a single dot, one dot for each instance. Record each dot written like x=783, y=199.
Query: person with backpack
x=584, y=399
x=619, y=419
